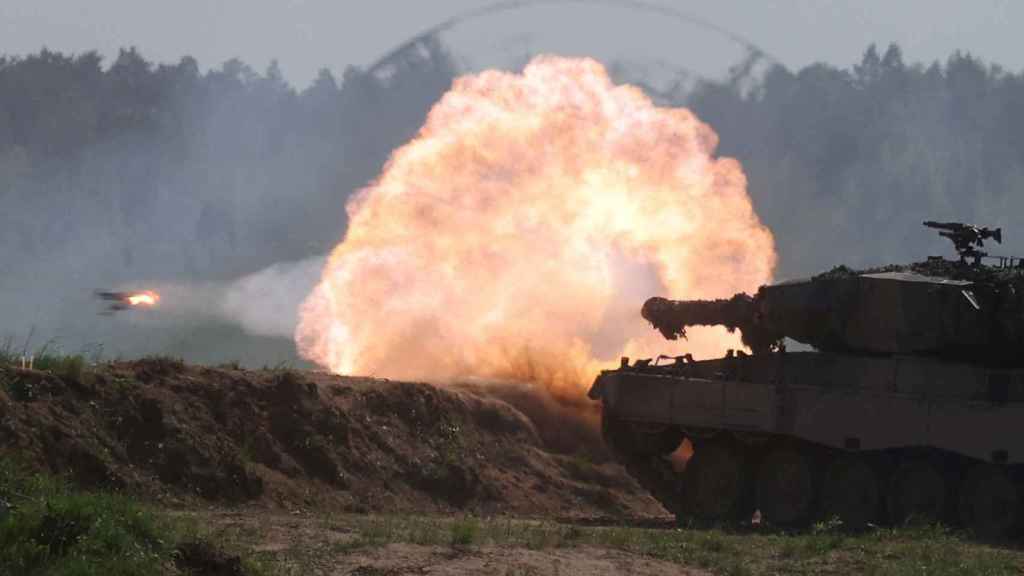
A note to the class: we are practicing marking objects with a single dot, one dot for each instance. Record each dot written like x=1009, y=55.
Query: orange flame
x=518, y=234
x=146, y=298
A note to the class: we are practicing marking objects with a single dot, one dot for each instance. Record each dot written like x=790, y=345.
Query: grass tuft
x=70, y=368
x=47, y=527
x=48, y=358
x=464, y=532
x=55, y=530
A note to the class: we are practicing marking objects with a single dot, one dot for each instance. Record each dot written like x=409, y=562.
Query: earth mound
x=298, y=439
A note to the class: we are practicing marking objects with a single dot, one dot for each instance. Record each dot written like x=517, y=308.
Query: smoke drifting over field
x=515, y=236
x=264, y=303
x=216, y=186
x=267, y=302
x=204, y=186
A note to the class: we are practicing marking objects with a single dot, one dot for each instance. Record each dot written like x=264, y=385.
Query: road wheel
x=917, y=493
x=851, y=491
x=989, y=502
x=713, y=485
x=786, y=486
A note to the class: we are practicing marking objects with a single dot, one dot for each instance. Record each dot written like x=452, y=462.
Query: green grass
x=67, y=367
x=47, y=358
x=70, y=368
x=49, y=528
x=463, y=532
x=53, y=529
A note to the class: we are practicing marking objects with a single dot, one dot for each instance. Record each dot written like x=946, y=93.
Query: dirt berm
x=296, y=439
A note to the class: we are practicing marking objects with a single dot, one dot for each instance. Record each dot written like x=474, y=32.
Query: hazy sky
x=305, y=35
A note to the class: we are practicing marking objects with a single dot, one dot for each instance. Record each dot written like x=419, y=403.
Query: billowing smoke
x=132, y=174
x=518, y=234
x=266, y=303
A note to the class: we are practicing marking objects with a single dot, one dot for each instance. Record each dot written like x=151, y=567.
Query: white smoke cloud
x=266, y=303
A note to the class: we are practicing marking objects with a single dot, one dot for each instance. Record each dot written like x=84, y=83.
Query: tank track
x=731, y=477
x=644, y=456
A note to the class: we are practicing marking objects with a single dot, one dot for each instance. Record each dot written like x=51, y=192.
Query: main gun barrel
x=672, y=317
x=742, y=311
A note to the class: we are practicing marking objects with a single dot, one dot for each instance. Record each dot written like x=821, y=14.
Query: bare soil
x=309, y=544
x=294, y=472
x=288, y=439
x=395, y=559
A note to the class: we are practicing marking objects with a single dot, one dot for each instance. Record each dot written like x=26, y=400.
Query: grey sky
x=305, y=35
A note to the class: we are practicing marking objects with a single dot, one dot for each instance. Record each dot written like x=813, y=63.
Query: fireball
x=517, y=235
x=146, y=298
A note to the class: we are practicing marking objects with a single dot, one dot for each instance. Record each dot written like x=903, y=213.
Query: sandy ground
x=397, y=559
x=305, y=544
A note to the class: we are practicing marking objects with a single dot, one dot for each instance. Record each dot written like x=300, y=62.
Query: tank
x=906, y=402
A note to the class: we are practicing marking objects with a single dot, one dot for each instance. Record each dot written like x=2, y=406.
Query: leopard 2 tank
x=909, y=404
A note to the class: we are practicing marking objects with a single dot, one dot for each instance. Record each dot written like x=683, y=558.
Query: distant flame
x=519, y=233
x=146, y=298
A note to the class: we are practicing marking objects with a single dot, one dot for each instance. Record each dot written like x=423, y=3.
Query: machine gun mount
x=967, y=238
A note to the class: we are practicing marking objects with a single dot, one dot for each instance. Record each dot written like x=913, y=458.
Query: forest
x=179, y=173
x=115, y=171
x=858, y=157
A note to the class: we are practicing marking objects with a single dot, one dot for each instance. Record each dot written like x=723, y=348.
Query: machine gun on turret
x=967, y=238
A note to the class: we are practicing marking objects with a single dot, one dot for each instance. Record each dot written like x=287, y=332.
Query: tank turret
x=958, y=309
x=911, y=406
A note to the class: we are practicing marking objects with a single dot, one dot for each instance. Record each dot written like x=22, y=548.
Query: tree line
x=160, y=170
x=139, y=168
x=845, y=163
